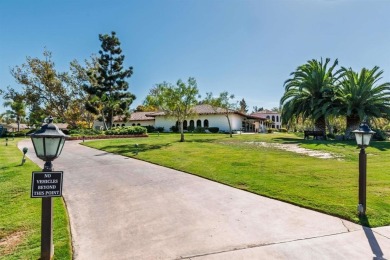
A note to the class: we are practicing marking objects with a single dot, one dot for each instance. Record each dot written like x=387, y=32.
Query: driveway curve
x=122, y=208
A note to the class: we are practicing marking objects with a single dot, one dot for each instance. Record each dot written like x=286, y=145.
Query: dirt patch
x=296, y=149
x=10, y=242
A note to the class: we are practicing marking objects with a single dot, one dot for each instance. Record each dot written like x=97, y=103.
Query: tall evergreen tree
x=108, y=86
x=243, y=106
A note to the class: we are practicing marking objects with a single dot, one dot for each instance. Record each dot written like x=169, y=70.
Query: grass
x=325, y=185
x=20, y=215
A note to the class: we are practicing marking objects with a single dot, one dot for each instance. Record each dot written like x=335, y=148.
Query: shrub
x=200, y=130
x=160, y=129
x=330, y=136
x=283, y=130
x=18, y=134
x=174, y=129
x=213, y=129
x=81, y=132
x=126, y=130
x=150, y=128
x=271, y=130
x=379, y=135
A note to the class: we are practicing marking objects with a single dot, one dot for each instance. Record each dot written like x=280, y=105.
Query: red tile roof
x=135, y=116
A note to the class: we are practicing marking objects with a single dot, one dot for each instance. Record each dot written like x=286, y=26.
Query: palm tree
x=360, y=96
x=18, y=110
x=308, y=94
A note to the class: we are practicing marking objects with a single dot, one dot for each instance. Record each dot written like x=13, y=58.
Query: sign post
x=45, y=185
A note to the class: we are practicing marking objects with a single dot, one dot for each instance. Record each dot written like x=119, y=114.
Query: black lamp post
x=363, y=136
x=48, y=143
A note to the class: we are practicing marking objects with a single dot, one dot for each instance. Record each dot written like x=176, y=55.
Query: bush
x=150, y=128
x=174, y=129
x=213, y=129
x=82, y=132
x=330, y=136
x=160, y=129
x=283, y=130
x=271, y=130
x=379, y=135
x=200, y=130
x=21, y=133
x=126, y=130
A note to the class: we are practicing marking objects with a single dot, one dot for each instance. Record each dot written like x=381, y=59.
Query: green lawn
x=326, y=185
x=20, y=216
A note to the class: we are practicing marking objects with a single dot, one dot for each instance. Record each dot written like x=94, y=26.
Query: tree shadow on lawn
x=132, y=148
x=199, y=140
x=287, y=140
x=381, y=145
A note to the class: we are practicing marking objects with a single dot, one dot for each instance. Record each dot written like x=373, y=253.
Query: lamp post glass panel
x=363, y=137
x=48, y=143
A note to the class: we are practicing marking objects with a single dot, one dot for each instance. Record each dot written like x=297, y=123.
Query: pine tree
x=108, y=86
x=243, y=106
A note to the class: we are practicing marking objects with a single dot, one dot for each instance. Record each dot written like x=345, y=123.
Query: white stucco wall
x=98, y=124
x=219, y=121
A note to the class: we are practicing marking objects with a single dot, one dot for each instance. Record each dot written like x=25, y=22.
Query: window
x=192, y=124
x=198, y=123
x=206, y=123
x=118, y=125
x=273, y=118
x=185, y=125
x=139, y=124
x=267, y=117
x=133, y=124
x=123, y=125
x=277, y=118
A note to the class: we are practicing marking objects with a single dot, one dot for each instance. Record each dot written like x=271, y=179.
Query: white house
x=274, y=117
x=136, y=118
x=205, y=116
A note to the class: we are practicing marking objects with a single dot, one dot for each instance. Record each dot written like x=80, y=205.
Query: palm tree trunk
x=353, y=123
x=320, y=125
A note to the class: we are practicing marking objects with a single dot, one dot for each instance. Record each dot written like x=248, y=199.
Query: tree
x=309, y=93
x=175, y=101
x=43, y=84
x=107, y=86
x=15, y=101
x=257, y=109
x=243, y=107
x=77, y=112
x=142, y=108
x=360, y=95
x=222, y=101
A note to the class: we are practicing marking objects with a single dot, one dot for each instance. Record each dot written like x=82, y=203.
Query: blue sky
x=246, y=47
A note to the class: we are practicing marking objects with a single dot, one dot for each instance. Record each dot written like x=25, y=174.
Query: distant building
x=13, y=127
x=136, y=118
x=205, y=116
x=274, y=117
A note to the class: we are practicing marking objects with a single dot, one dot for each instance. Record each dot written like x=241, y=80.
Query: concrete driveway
x=122, y=208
